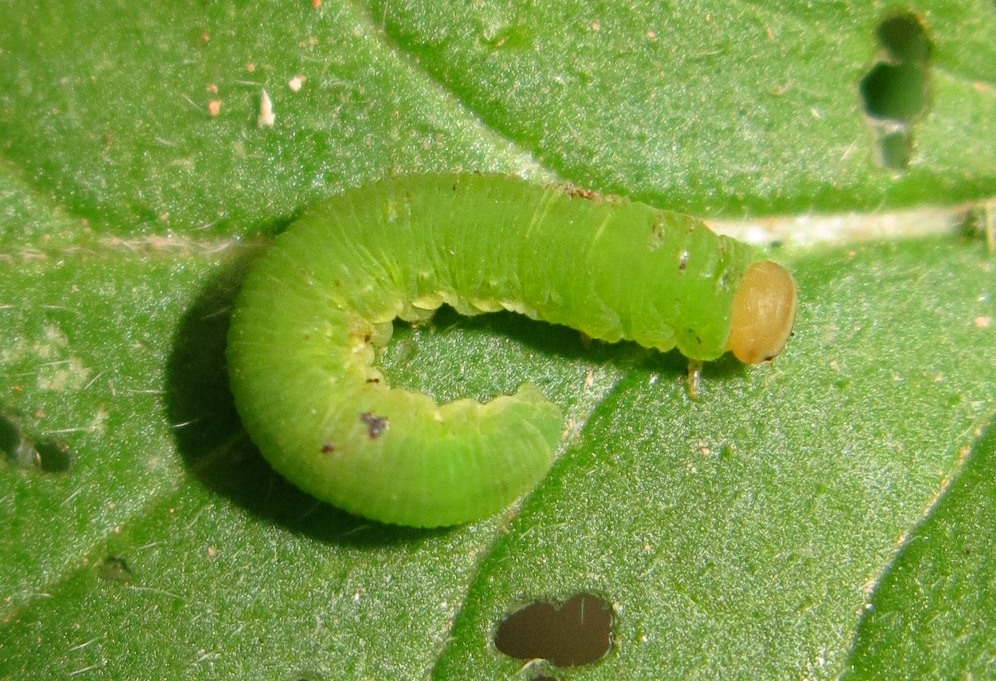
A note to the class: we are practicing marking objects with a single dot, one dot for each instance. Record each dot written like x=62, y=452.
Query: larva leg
x=694, y=378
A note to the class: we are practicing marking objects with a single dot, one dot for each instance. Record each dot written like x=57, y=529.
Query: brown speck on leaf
x=328, y=448
x=376, y=425
x=581, y=193
x=657, y=233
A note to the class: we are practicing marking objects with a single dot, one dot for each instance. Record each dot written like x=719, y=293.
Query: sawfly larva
x=315, y=308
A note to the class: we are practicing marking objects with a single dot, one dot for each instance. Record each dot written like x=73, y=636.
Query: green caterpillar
x=322, y=299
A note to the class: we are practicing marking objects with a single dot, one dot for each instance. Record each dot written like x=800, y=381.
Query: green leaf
x=932, y=612
x=742, y=535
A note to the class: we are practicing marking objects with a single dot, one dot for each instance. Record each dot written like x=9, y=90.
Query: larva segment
x=302, y=343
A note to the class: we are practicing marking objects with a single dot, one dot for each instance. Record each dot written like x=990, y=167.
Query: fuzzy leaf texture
x=829, y=514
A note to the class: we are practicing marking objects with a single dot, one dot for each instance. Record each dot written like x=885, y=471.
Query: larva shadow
x=209, y=435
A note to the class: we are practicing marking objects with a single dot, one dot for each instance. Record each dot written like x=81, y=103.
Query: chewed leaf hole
x=577, y=632
x=50, y=456
x=895, y=90
x=54, y=456
x=904, y=39
x=10, y=439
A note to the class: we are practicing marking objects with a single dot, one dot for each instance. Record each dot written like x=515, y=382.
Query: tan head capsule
x=763, y=313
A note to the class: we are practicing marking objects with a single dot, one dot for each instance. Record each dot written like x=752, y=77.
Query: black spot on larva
x=373, y=380
x=114, y=569
x=577, y=632
x=376, y=425
x=328, y=448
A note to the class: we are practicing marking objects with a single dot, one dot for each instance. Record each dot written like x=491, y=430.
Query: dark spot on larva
x=373, y=380
x=683, y=261
x=367, y=336
x=577, y=632
x=376, y=425
x=328, y=448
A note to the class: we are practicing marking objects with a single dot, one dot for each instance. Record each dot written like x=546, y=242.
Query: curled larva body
x=314, y=308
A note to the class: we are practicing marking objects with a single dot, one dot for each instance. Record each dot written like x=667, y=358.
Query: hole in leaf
x=50, y=456
x=904, y=39
x=895, y=149
x=54, y=456
x=577, y=632
x=895, y=91
x=10, y=435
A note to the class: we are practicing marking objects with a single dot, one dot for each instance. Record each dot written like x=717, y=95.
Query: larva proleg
x=316, y=305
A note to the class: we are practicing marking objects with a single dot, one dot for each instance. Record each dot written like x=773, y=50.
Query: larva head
x=763, y=313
